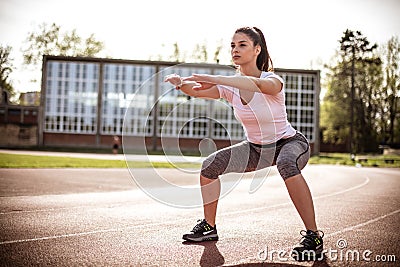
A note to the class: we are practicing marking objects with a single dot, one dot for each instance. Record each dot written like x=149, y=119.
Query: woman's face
x=243, y=50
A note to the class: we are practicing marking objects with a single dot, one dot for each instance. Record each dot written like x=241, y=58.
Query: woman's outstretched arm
x=270, y=86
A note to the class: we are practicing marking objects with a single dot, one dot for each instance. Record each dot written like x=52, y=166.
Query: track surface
x=69, y=217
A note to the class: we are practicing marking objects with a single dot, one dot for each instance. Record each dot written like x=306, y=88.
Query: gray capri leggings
x=289, y=155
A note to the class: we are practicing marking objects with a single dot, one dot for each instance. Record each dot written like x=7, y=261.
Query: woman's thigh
x=239, y=158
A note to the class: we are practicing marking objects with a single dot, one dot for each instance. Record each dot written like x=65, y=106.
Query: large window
x=301, y=95
x=127, y=88
x=180, y=115
x=71, y=97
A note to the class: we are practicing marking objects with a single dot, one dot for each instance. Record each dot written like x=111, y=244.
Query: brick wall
x=18, y=135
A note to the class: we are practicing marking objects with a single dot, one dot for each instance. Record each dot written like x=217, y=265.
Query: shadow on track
x=212, y=257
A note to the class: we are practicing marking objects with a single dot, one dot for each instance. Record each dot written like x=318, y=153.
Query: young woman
x=257, y=97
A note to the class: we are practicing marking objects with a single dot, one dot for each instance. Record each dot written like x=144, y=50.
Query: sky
x=300, y=34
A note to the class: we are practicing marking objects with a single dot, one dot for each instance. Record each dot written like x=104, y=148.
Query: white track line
x=228, y=213
x=366, y=181
x=86, y=207
x=347, y=229
x=84, y=233
x=351, y=228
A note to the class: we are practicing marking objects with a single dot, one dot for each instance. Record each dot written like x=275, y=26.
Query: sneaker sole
x=202, y=238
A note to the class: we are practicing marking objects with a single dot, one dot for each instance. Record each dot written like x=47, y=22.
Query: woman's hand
x=203, y=81
x=175, y=80
x=189, y=86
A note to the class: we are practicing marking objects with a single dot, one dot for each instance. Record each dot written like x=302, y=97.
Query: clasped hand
x=201, y=81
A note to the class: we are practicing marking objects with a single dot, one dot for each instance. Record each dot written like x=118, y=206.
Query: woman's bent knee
x=210, y=168
x=287, y=169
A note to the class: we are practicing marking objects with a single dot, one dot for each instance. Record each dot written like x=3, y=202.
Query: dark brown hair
x=264, y=61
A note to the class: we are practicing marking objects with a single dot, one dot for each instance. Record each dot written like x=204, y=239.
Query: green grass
x=29, y=161
x=332, y=158
x=344, y=159
x=102, y=150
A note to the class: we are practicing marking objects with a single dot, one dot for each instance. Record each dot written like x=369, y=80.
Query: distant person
x=257, y=96
x=115, y=146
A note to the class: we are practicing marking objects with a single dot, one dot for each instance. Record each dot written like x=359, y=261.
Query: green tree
x=390, y=117
x=218, y=51
x=50, y=40
x=200, y=54
x=6, y=68
x=350, y=107
x=334, y=118
x=176, y=54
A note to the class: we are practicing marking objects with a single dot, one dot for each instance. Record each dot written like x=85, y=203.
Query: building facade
x=87, y=101
x=18, y=123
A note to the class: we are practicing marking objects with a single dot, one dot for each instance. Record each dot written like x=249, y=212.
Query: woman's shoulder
x=271, y=74
x=266, y=74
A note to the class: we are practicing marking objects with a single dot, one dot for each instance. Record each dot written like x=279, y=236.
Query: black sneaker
x=311, y=246
x=202, y=232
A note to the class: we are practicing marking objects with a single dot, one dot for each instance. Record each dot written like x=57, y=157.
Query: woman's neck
x=250, y=71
